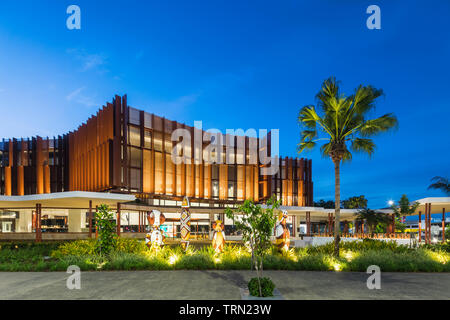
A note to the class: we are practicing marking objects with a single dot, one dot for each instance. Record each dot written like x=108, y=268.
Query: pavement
x=220, y=285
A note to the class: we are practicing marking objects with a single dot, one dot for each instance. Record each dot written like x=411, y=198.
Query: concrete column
x=211, y=220
x=298, y=221
x=23, y=224
x=76, y=220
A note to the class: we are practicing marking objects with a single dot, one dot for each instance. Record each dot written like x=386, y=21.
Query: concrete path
x=221, y=285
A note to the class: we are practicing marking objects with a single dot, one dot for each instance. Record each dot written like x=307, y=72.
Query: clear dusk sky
x=239, y=64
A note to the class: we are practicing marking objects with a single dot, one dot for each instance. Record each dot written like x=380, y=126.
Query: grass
x=134, y=255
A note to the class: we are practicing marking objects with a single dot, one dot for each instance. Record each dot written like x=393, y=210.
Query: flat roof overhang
x=438, y=204
x=65, y=200
x=320, y=214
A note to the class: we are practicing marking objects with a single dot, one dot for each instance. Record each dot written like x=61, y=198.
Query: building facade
x=124, y=150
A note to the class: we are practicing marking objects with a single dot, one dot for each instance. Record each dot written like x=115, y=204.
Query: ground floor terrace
x=71, y=215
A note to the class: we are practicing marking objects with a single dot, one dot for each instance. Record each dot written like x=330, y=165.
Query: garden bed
x=131, y=254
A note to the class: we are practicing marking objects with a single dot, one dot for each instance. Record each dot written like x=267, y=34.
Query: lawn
x=131, y=254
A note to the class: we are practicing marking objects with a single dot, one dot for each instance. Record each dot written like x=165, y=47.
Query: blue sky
x=239, y=64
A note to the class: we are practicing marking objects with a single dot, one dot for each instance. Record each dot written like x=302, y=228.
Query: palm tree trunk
x=337, y=206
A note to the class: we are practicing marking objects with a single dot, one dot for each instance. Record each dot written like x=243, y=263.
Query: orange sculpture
x=218, y=241
x=282, y=233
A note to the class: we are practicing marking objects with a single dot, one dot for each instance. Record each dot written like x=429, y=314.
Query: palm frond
x=363, y=145
x=440, y=183
x=305, y=146
x=378, y=125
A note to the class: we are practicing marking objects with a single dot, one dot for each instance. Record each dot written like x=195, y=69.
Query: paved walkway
x=221, y=285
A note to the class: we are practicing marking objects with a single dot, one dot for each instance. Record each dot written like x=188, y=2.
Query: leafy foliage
x=106, y=224
x=257, y=225
x=440, y=183
x=355, y=256
x=354, y=203
x=89, y=247
x=267, y=287
x=324, y=204
x=342, y=125
x=404, y=207
x=372, y=218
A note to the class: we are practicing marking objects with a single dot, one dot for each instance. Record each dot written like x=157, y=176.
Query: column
x=76, y=220
x=211, y=220
x=24, y=222
x=308, y=223
x=90, y=219
x=38, y=222
x=420, y=226
x=443, y=225
x=118, y=219
x=393, y=223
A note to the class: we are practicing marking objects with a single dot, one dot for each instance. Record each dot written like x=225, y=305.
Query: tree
x=257, y=225
x=324, y=204
x=440, y=183
x=342, y=125
x=373, y=219
x=106, y=224
x=355, y=203
x=404, y=207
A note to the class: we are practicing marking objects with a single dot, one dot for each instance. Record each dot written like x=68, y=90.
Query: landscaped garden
x=131, y=254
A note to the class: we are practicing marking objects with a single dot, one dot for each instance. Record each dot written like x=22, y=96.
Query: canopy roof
x=437, y=204
x=66, y=200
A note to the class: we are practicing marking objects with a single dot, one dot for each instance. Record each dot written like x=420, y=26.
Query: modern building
x=122, y=157
x=123, y=151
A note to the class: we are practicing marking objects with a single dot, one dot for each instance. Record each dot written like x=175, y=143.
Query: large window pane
x=158, y=141
x=135, y=157
x=134, y=116
x=135, y=177
x=147, y=139
x=134, y=136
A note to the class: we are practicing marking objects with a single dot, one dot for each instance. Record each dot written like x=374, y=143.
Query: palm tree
x=342, y=126
x=372, y=218
x=442, y=184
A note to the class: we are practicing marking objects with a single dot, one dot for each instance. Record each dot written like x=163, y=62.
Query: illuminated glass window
x=134, y=136
x=147, y=139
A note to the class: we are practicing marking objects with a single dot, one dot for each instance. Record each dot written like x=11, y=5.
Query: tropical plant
x=324, y=204
x=267, y=287
x=440, y=183
x=372, y=218
x=106, y=224
x=354, y=203
x=257, y=225
x=342, y=124
x=404, y=207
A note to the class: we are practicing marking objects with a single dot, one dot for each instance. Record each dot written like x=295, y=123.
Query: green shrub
x=89, y=247
x=267, y=287
x=76, y=248
x=438, y=247
x=106, y=224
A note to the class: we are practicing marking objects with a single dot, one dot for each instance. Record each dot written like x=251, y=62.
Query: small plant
x=257, y=225
x=261, y=287
x=106, y=223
